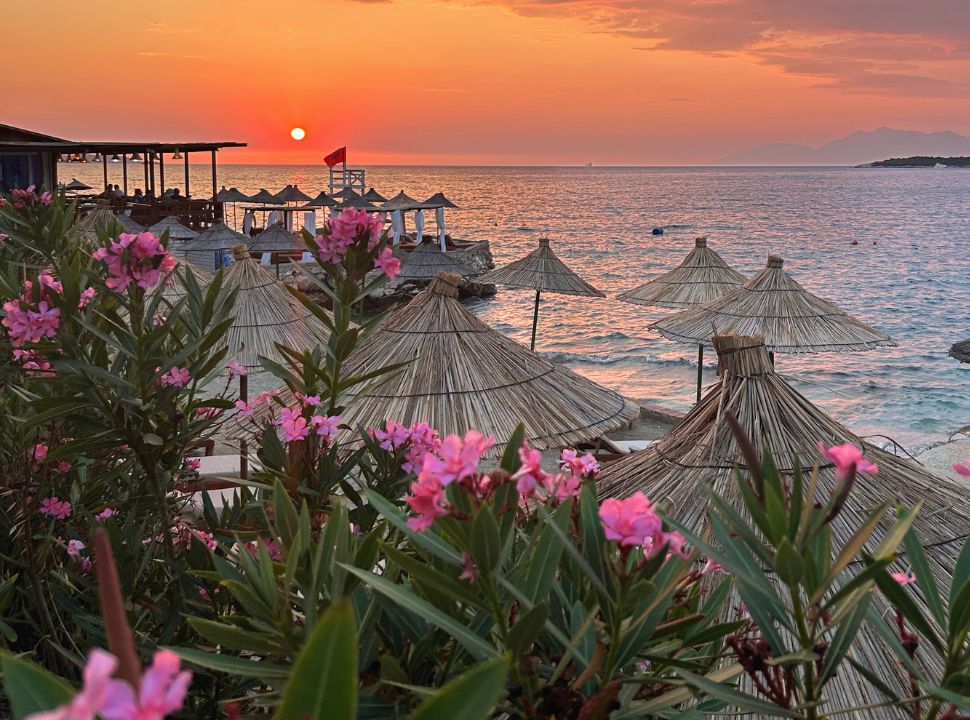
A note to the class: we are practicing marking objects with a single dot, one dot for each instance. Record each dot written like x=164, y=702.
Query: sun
x=297, y=133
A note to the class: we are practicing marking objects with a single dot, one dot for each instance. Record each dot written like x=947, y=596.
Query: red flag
x=337, y=156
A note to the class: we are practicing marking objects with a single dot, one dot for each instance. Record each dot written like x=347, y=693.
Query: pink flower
x=904, y=578
x=674, y=542
x=712, y=566
x=309, y=400
x=58, y=509
x=192, y=464
x=563, y=487
x=86, y=565
x=236, y=369
x=63, y=467
x=330, y=248
x=582, y=465
x=244, y=408
x=327, y=427
x=106, y=513
x=845, y=457
x=428, y=500
x=632, y=521
x=74, y=548
x=963, y=469
x=91, y=698
x=46, y=198
x=206, y=538
x=354, y=223
x=140, y=259
x=394, y=436
x=39, y=452
x=530, y=475
x=29, y=319
x=469, y=572
x=163, y=689
x=388, y=264
x=459, y=457
x=87, y=295
x=293, y=423
x=176, y=377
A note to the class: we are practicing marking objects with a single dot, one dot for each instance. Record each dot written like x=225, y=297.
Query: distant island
x=920, y=161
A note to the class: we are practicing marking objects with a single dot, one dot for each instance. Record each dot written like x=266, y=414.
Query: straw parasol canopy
x=427, y=260
x=275, y=238
x=265, y=197
x=76, y=185
x=702, y=276
x=373, y=196
x=439, y=200
x=322, y=200
x=266, y=314
x=772, y=304
x=402, y=201
x=961, y=351
x=348, y=193
x=101, y=219
x=291, y=193
x=175, y=229
x=232, y=195
x=360, y=204
x=461, y=374
x=174, y=288
x=215, y=239
x=541, y=271
x=702, y=452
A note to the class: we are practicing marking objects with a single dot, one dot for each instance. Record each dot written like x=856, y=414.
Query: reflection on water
x=907, y=276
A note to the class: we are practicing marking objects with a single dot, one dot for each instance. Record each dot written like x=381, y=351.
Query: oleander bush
x=384, y=572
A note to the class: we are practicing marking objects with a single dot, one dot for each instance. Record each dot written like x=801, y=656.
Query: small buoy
x=855, y=242
x=873, y=242
x=658, y=231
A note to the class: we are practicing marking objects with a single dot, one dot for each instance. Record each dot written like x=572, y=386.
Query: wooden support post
x=243, y=450
x=124, y=172
x=535, y=320
x=161, y=172
x=700, y=370
x=188, y=194
x=104, y=163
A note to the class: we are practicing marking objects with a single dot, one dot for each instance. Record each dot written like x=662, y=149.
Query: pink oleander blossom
x=293, y=424
x=236, y=369
x=90, y=700
x=326, y=427
x=177, y=378
x=632, y=521
x=164, y=686
x=845, y=457
x=428, y=500
x=530, y=475
x=32, y=317
x=457, y=458
x=712, y=566
x=74, y=548
x=583, y=465
x=39, y=453
x=106, y=513
x=192, y=464
x=63, y=466
x=55, y=508
x=417, y=440
x=353, y=223
x=563, y=486
x=962, y=469
x=904, y=578
x=330, y=248
x=46, y=199
x=135, y=259
x=388, y=264
x=244, y=408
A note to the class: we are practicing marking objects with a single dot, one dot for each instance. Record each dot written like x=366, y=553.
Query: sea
x=909, y=274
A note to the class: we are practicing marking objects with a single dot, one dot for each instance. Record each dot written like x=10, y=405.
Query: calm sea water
x=909, y=275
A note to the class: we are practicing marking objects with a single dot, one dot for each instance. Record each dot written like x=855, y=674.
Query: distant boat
x=940, y=166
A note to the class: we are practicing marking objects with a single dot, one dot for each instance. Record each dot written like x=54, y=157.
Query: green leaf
x=961, y=574
x=31, y=688
x=232, y=636
x=924, y=576
x=527, y=629
x=233, y=665
x=471, y=696
x=510, y=457
x=486, y=545
x=789, y=565
x=323, y=685
x=403, y=596
x=427, y=540
x=843, y=639
x=736, y=698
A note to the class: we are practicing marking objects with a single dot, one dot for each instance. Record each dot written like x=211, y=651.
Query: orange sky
x=487, y=81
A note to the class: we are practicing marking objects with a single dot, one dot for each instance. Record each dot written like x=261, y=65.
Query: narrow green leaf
x=486, y=545
x=30, y=688
x=233, y=665
x=924, y=576
x=527, y=629
x=471, y=696
x=844, y=637
x=736, y=698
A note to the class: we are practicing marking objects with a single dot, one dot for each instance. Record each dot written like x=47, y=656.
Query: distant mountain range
x=862, y=146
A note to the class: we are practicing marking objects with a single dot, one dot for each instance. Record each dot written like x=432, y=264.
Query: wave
x=614, y=359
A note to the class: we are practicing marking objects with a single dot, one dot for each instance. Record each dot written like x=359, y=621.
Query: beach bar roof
x=773, y=305
x=702, y=276
x=961, y=351
x=701, y=453
x=266, y=314
x=462, y=374
x=427, y=260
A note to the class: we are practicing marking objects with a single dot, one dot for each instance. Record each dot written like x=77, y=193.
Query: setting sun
x=297, y=133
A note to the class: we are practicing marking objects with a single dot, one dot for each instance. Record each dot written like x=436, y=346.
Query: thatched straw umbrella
x=101, y=219
x=701, y=452
x=541, y=271
x=266, y=314
x=348, y=193
x=291, y=193
x=702, y=276
x=372, y=196
x=265, y=197
x=275, y=238
x=174, y=288
x=397, y=206
x=207, y=249
x=232, y=195
x=178, y=234
x=322, y=200
x=76, y=185
x=427, y=260
x=461, y=374
x=360, y=204
x=773, y=305
x=439, y=202
x=961, y=351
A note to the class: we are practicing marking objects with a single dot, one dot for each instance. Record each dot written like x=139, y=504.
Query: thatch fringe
x=427, y=260
x=702, y=276
x=542, y=270
x=275, y=238
x=177, y=232
x=701, y=453
x=773, y=305
x=101, y=219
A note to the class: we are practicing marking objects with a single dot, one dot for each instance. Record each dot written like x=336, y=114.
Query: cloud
x=888, y=46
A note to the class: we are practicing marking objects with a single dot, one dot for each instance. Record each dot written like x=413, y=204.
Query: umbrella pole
x=700, y=369
x=243, y=451
x=535, y=320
